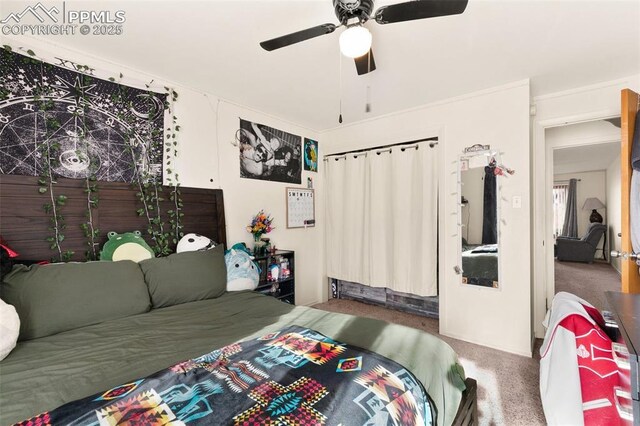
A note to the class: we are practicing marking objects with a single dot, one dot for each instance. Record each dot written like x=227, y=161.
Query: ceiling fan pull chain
x=340, y=78
x=367, y=106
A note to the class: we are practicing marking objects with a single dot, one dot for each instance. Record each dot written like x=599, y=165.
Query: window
x=560, y=192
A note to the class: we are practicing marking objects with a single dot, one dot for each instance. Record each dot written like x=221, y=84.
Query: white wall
x=614, y=209
x=592, y=184
x=244, y=197
x=573, y=106
x=207, y=159
x=500, y=117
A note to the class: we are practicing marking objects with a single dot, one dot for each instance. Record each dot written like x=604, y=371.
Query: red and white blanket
x=577, y=370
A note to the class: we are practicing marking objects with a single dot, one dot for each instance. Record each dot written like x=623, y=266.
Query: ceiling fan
x=355, y=40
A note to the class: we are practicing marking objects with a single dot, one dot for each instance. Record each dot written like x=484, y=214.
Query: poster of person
x=269, y=154
x=310, y=155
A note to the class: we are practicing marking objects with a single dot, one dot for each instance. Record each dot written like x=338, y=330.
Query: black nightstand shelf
x=283, y=289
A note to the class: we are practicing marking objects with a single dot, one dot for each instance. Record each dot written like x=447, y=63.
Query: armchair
x=580, y=249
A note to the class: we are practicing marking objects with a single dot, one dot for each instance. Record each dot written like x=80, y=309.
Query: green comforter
x=45, y=373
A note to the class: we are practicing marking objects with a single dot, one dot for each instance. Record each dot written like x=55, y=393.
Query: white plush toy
x=194, y=242
x=9, y=329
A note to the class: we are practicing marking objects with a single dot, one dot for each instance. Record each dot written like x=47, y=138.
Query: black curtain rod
x=434, y=142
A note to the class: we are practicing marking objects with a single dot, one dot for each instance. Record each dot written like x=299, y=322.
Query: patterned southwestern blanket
x=295, y=376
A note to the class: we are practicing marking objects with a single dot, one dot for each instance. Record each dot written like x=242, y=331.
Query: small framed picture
x=310, y=155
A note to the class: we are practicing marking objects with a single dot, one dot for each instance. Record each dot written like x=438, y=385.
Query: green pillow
x=58, y=297
x=185, y=277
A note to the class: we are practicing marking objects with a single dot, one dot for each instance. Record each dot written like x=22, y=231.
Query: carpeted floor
x=507, y=384
x=508, y=392
x=588, y=281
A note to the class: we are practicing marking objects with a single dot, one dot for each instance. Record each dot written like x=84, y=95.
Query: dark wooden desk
x=626, y=311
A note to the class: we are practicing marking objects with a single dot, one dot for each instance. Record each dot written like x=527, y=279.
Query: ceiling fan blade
x=297, y=37
x=419, y=9
x=365, y=63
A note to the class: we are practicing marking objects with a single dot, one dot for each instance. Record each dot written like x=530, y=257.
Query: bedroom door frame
x=630, y=104
x=550, y=149
x=544, y=287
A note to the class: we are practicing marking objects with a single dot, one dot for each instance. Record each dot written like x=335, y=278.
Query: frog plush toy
x=127, y=246
x=242, y=271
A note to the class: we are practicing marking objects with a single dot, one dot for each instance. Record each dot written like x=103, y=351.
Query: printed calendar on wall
x=301, y=209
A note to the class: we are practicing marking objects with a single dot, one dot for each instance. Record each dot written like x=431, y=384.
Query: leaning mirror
x=478, y=217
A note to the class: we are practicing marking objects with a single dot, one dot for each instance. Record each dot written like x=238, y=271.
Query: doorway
x=586, y=216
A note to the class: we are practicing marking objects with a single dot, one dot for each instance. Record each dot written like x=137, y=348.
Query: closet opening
x=382, y=225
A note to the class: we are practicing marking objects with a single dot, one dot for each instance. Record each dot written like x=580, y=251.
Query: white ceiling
x=586, y=158
x=213, y=46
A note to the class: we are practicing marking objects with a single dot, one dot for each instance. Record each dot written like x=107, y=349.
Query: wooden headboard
x=24, y=224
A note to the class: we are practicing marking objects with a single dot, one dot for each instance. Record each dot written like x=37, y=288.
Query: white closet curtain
x=382, y=218
x=347, y=226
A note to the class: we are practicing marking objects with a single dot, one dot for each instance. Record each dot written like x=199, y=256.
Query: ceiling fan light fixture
x=355, y=41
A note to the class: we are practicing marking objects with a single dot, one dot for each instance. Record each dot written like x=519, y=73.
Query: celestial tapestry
x=269, y=154
x=295, y=376
x=85, y=125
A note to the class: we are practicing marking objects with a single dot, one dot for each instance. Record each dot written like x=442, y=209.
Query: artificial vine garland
x=47, y=178
x=91, y=188
x=171, y=151
x=149, y=187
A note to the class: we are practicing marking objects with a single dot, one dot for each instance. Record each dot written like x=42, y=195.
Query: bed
x=46, y=372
